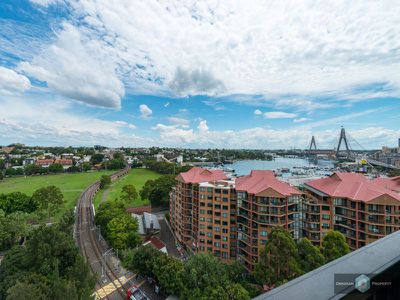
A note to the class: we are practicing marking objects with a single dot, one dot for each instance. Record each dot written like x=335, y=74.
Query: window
x=217, y=191
x=209, y=189
x=224, y=215
x=326, y=225
x=326, y=217
x=202, y=204
x=202, y=196
x=324, y=207
x=217, y=229
x=264, y=233
x=224, y=199
x=209, y=234
x=225, y=192
x=225, y=207
x=225, y=238
x=202, y=189
x=217, y=244
x=202, y=219
x=225, y=246
x=202, y=211
x=224, y=230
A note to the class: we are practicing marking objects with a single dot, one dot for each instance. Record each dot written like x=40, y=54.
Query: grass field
x=71, y=185
x=136, y=177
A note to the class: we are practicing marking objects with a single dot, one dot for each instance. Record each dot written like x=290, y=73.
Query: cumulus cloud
x=145, y=111
x=279, y=115
x=179, y=121
x=125, y=124
x=203, y=126
x=286, y=48
x=196, y=82
x=58, y=126
x=12, y=82
x=75, y=68
x=258, y=112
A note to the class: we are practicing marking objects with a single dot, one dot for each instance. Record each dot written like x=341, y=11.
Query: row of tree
x=157, y=190
x=202, y=277
x=17, y=207
x=48, y=266
x=165, y=167
x=117, y=226
x=283, y=259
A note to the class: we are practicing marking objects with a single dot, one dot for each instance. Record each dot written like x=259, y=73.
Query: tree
x=334, y=245
x=279, y=260
x=50, y=199
x=97, y=158
x=10, y=172
x=56, y=168
x=145, y=191
x=17, y=201
x=141, y=259
x=33, y=286
x=122, y=232
x=1, y=176
x=310, y=255
x=159, y=194
x=105, y=181
x=106, y=212
x=169, y=273
x=50, y=264
x=129, y=193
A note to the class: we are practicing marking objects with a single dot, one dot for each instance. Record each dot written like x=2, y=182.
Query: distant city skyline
x=216, y=74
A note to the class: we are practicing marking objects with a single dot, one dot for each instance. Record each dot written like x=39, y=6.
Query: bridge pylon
x=344, y=139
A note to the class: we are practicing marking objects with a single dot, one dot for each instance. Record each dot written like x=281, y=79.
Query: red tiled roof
x=389, y=183
x=155, y=242
x=354, y=186
x=64, y=161
x=197, y=175
x=260, y=180
x=44, y=161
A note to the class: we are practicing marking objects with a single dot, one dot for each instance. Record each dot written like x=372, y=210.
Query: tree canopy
x=48, y=267
x=279, y=260
x=334, y=245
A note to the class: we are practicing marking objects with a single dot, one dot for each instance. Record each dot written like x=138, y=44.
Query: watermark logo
x=362, y=283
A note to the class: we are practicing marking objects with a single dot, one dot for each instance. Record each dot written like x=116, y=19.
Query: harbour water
x=244, y=167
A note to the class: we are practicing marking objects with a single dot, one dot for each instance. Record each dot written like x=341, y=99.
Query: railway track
x=91, y=248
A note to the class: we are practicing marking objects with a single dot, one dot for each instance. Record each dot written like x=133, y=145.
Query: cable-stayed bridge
x=346, y=142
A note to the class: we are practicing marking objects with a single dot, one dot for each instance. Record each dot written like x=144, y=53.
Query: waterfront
x=244, y=167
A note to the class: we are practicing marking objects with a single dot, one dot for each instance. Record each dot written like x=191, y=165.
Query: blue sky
x=199, y=74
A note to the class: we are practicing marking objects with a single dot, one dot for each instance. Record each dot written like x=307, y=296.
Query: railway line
x=91, y=248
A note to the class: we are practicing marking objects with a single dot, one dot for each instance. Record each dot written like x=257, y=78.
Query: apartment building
x=184, y=204
x=232, y=218
x=264, y=202
x=210, y=212
x=363, y=210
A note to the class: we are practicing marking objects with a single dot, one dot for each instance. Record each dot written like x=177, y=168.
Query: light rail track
x=91, y=248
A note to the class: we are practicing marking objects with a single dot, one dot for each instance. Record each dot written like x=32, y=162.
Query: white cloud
x=267, y=138
x=203, y=126
x=286, y=48
x=299, y=120
x=166, y=104
x=125, y=124
x=46, y=2
x=145, y=111
x=12, y=82
x=258, y=112
x=279, y=115
x=78, y=68
x=59, y=125
x=179, y=121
